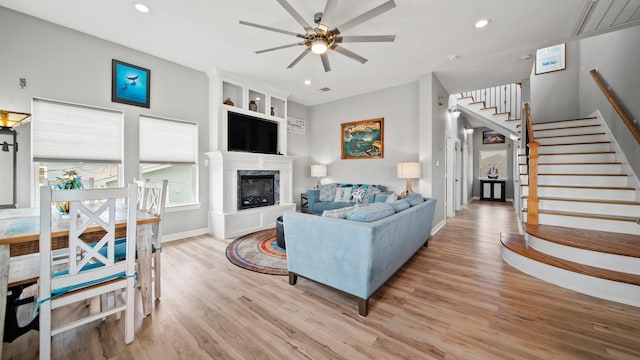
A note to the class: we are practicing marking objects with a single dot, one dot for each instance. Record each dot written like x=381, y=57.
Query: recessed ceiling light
x=143, y=8
x=482, y=23
x=307, y=82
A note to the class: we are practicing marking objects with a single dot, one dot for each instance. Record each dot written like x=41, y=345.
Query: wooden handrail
x=616, y=104
x=532, y=199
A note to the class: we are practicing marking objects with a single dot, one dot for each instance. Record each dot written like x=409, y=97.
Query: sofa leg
x=293, y=278
x=426, y=243
x=363, y=306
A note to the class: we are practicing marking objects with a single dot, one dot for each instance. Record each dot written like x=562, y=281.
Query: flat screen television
x=251, y=134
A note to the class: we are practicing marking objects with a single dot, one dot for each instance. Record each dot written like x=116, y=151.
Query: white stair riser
x=581, y=180
x=573, y=139
x=568, y=131
x=590, y=208
x=580, y=169
x=626, y=227
x=604, y=289
x=584, y=158
x=582, y=193
x=554, y=125
x=597, y=259
x=558, y=149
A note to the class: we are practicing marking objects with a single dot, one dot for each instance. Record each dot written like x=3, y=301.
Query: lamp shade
x=409, y=170
x=318, y=170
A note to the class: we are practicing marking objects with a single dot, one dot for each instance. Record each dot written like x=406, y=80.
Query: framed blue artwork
x=130, y=84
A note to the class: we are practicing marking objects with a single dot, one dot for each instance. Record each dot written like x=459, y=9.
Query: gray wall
x=553, y=95
x=616, y=55
x=441, y=127
x=67, y=65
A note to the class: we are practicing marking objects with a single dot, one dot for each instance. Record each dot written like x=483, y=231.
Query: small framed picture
x=550, y=59
x=130, y=84
x=492, y=137
x=295, y=126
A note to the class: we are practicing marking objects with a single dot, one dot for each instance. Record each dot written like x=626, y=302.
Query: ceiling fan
x=322, y=38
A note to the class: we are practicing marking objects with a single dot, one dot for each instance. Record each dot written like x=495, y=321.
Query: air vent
x=325, y=89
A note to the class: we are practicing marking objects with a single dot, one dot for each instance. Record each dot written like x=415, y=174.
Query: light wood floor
x=455, y=299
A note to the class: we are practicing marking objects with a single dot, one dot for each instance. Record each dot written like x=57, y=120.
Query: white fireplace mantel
x=225, y=220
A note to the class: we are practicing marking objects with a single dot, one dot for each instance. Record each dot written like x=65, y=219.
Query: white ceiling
x=205, y=35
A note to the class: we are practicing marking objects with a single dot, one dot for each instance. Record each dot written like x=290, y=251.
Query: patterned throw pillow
x=392, y=198
x=343, y=194
x=341, y=213
x=370, y=191
x=357, y=195
x=328, y=192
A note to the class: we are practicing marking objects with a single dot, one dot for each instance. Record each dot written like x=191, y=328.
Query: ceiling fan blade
x=325, y=62
x=327, y=14
x=295, y=15
x=297, y=60
x=279, y=47
x=366, y=38
x=264, y=27
x=367, y=15
x=349, y=54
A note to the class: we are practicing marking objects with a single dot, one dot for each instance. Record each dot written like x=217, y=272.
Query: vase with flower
x=69, y=180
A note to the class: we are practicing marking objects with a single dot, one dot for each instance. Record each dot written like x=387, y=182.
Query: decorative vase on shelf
x=273, y=111
x=228, y=101
x=253, y=106
x=69, y=180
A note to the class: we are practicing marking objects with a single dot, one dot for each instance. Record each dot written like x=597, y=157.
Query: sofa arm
x=313, y=196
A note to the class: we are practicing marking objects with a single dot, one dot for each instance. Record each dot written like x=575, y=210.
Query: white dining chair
x=153, y=202
x=90, y=273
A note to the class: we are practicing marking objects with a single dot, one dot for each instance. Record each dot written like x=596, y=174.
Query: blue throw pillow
x=371, y=212
x=343, y=194
x=399, y=205
x=414, y=199
x=328, y=192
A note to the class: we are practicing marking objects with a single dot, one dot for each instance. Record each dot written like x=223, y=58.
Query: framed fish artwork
x=130, y=84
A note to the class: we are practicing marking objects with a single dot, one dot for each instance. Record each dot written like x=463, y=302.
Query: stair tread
x=581, y=174
x=569, y=135
x=517, y=244
x=577, y=143
x=615, y=202
x=586, y=215
x=601, y=241
x=580, y=163
x=581, y=153
x=567, y=127
x=558, y=121
x=514, y=119
x=586, y=187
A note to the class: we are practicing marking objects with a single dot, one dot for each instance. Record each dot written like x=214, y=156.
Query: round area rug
x=258, y=252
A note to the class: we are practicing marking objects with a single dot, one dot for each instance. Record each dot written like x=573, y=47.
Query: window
x=86, y=139
x=168, y=150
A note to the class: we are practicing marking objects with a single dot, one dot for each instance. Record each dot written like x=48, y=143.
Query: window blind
x=72, y=132
x=167, y=141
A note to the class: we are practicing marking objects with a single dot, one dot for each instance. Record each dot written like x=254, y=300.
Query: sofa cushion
x=343, y=194
x=370, y=194
x=399, y=204
x=328, y=192
x=391, y=198
x=341, y=213
x=414, y=199
x=371, y=212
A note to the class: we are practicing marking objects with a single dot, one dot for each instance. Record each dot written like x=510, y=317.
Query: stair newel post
x=532, y=200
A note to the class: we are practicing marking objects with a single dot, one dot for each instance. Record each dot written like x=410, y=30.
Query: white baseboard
x=438, y=227
x=184, y=234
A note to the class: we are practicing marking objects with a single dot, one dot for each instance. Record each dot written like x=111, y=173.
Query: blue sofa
x=316, y=206
x=354, y=256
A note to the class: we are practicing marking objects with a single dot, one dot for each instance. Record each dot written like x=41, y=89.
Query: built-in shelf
x=257, y=101
x=232, y=93
x=278, y=107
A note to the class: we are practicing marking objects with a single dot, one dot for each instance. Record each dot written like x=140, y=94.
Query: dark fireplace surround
x=258, y=188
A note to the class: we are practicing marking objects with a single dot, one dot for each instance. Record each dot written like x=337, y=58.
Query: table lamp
x=318, y=171
x=408, y=170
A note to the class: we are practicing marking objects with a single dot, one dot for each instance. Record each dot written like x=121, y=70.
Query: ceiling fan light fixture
x=319, y=47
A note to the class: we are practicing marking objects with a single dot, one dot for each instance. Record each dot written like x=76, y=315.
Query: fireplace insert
x=255, y=191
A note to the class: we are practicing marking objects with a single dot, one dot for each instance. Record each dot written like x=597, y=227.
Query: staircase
x=588, y=234
x=497, y=107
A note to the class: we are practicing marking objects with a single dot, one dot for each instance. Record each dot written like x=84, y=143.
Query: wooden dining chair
x=90, y=273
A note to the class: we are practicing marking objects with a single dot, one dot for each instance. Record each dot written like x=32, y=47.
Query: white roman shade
x=72, y=132
x=167, y=141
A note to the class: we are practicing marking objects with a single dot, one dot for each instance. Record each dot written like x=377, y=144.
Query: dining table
x=19, y=239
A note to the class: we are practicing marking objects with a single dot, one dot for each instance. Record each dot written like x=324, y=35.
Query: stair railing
x=616, y=104
x=505, y=98
x=532, y=199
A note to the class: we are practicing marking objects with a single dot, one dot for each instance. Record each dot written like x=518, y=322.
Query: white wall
x=63, y=64
x=554, y=95
x=298, y=146
x=616, y=55
x=399, y=108
x=441, y=127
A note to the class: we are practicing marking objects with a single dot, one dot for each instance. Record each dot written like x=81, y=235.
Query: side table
x=304, y=203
